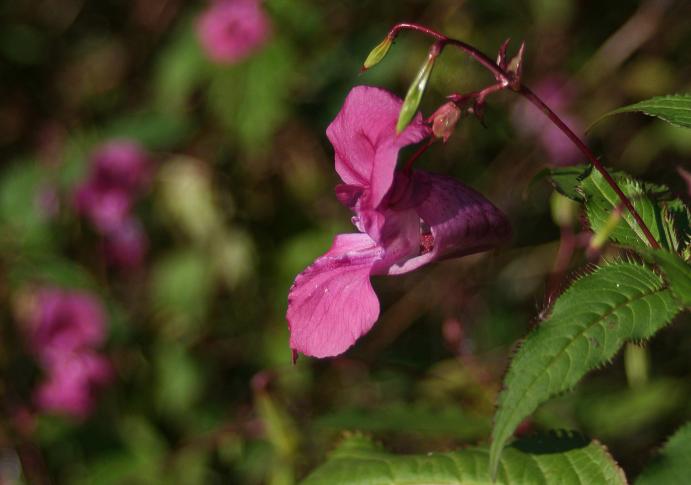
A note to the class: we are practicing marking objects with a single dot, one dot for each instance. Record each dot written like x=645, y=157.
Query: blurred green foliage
x=242, y=201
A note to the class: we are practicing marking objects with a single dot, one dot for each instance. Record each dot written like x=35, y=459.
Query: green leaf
x=601, y=200
x=252, y=98
x=179, y=71
x=567, y=179
x=674, y=109
x=589, y=323
x=677, y=272
x=156, y=131
x=673, y=465
x=565, y=459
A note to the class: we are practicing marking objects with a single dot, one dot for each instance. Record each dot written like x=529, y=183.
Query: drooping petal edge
x=332, y=303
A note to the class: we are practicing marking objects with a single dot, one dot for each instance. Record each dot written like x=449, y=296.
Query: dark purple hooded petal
x=455, y=221
x=332, y=303
x=364, y=139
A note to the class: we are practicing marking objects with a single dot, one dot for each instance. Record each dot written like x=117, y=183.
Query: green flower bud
x=414, y=95
x=377, y=54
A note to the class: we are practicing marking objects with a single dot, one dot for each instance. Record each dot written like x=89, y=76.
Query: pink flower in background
x=406, y=220
x=73, y=383
x=231, y=30
x=120, y=172
x=123, y=164
x=63, y=329
x=64, y=321
x=529, y=121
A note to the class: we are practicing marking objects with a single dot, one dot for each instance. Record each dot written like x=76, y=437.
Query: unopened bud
x=444, y=120
x=501, y=56
x=414, y=95
x=515, y=66
x=377, y=54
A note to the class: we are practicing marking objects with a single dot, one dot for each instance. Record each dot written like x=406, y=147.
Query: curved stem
x=533, y=98
x=507, y=81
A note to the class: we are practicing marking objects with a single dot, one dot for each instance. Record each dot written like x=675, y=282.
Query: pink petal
x=364, y=139
x=72, y=384
x=332, y=303
x=460, y=220
x=231, y=30
x=64, y=322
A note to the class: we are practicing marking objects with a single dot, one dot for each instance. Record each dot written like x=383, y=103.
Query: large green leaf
x=565, y=459
x=619, y=301
x=674, y=109
x=673, y=465
x=601, y=201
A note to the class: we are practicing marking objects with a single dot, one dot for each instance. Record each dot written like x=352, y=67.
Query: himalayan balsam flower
x=231, y=30
x=120, y=172
x=73, y=383
x=63, y=330
x=405, y=220
x=120, y=169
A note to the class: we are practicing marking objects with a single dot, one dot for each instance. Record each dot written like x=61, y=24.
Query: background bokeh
x=237, y=199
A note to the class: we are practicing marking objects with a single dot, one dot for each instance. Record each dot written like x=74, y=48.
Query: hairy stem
x=507, y=81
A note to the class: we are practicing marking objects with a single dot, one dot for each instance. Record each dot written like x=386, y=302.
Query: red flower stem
x=504, y=78
x=418, y=153
x=533, y=98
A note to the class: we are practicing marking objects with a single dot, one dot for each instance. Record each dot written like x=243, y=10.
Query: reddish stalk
x=508, y=81
x=418, y=153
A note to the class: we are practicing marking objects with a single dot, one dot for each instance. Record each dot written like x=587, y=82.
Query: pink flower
x=231, y=30
x=120, y=169
x=73, y=383
x=64, y=328
x=64, y=322
x=406, y=220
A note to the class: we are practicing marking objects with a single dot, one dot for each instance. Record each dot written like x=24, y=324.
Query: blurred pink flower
x=231, y=30
x=63, y=322
x=120, y=171
x=406, y=220
x=64, y=328
x=105, y=207
x=121, y=163
x=529, y=121
x=73, y=383
x=126, y=246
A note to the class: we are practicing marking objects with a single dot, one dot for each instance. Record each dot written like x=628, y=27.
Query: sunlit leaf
x=673, y=465
x=674, y=109
x=677, y=272
x=648, y=199
x=566, y=459
x=589, y=323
